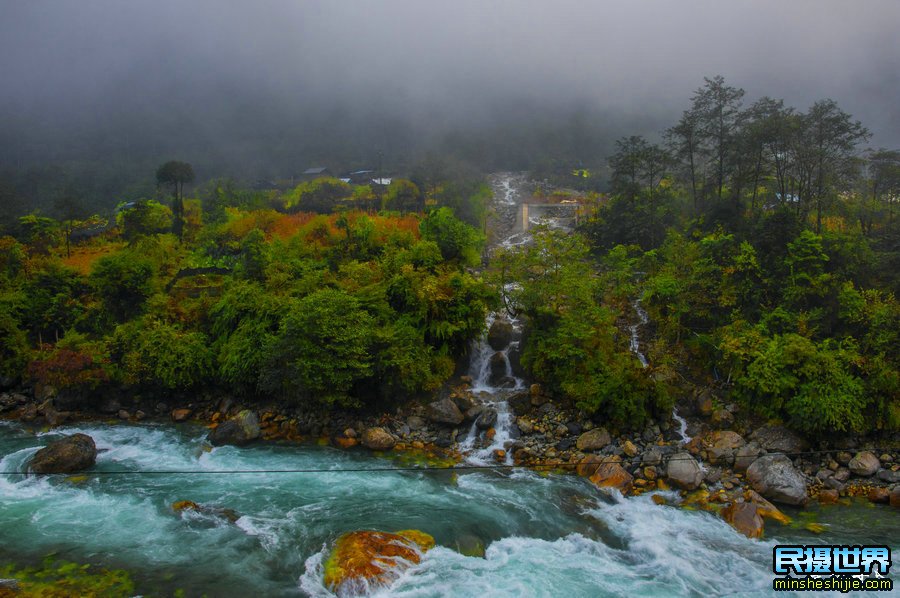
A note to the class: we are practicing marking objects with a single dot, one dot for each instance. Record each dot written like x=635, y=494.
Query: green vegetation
x=761, y=242
x=61, y=579
x=345, y=306
x=768, y=254
x=573, y=343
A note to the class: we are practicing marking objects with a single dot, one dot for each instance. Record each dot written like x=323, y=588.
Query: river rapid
x=525, y=534
x=552, y=535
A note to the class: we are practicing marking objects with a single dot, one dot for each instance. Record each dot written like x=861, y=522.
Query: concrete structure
x=526, y=210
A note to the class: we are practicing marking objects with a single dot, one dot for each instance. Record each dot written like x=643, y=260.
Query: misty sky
x=228, y=74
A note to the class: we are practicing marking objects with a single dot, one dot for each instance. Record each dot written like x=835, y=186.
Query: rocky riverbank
x=726, y=467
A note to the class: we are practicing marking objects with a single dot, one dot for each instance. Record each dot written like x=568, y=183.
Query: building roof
x=315, y=170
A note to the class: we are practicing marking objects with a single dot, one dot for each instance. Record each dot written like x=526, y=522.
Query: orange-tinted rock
x=827, y=496
x=378, y=439
x=499, y=455
x=183, y=505
x=588, y=466
x=894, y=499
x=658, y=499
x=879, y=495
x=612, y=475
x=766, y=509
x=373, y=557
x=745, y=518
x=345, y=443
x=181, y=415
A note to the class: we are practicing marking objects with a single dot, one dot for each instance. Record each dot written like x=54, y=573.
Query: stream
x=528, y=534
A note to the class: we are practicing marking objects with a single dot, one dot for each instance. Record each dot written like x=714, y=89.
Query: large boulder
x=500, y=334
x=444, y=411
x=72, y=453
x=775, y=477
x=593, y=440
x=378, y=439
x=371, y=559
x=864, y=464
x=240, y=430
x=780, y=439
x=683, y=471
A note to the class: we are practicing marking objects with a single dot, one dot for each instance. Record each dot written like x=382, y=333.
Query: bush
x=153, y=353
x=323, y=349
x=456, y=239
x=123, y=282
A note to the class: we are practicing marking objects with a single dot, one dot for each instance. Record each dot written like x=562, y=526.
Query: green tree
x=176, y=174
x=456, y=239
x=143, y=217
x=154, y=353
x=123, y=282
x=323, y=349
x=403, y=196
x=322, y=195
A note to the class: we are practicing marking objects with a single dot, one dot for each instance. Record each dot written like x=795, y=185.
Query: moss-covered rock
x=363, y=559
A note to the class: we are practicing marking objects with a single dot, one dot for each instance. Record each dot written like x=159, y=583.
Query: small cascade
x=492, y=380
x=635, y=346
x=682, y=426
x=635, y=338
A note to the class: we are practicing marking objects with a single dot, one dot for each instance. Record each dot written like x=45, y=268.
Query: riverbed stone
x=240, y=430
x=683, y=471
x=864, y=464
x=780, y=439
x=652, y=456
x=500, y=334
x=72, y=453
x=888, y=475
x=722, y=418
x=181, y=415
x=879, y=494
x=486, y=419
x=415, y=423
x=894, y=498
x=498, y=368
x=593, y=440
x=378, y=439
x=372, y=558
x=525, y=426
x=721, y=445
x=444, y=411
x=745, y=455
x=611, y=474
x=745, y=518
x=776, y=478
x=629, y=448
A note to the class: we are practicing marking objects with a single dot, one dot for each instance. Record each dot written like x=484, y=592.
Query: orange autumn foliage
x=83, y=257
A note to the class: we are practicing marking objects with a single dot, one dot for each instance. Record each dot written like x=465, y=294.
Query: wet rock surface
x=72, y=453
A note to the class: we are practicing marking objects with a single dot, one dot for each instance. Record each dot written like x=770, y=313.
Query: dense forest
x=763, y=244
x=328, y=293
x=761, y=241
